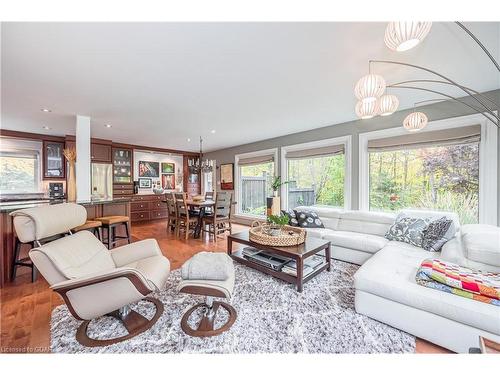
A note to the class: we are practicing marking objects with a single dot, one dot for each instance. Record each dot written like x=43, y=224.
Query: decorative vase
x=71, y=188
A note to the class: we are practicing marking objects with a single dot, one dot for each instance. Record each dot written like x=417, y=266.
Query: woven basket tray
x=289, y=236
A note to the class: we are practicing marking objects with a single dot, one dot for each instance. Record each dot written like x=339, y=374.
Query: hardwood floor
x=26, y=306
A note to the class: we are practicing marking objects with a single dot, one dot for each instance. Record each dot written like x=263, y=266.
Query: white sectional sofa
x=385, y=284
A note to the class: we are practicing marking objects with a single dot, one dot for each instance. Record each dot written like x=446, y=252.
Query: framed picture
x=168, y=181
x=167, y=167
x=227, y=176
x=145, y=183
x=149, y=169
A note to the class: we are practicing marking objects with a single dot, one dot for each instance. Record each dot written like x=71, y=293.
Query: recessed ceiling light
x=45, y=110
x=213, y=131
x=46, y=127
x=189, y=139
x=107, y=125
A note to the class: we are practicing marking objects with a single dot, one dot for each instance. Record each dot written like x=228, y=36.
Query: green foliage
x=440, y=178
x=323, y=177
x=278, y=219
x=277, y=183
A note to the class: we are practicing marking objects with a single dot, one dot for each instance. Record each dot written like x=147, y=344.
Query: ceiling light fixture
x=402, y=36
x=107, y=125
x=366, y=110
x=212, y=131
x=388, y=104
x=45, y=110
x=415, y=121
x=46, y=127
x=189, y=139
x=369, y=88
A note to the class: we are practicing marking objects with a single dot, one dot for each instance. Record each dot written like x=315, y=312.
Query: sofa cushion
x=367, y=222
x=308, y=219
x=437, y=233
x=408, y=229
x=357, y=241
x=292, y=217
x=318, y=232
x=433, y=215
x=482, y=243
x=390, y=274
x=330, y=216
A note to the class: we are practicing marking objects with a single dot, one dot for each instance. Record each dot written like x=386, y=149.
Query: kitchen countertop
x=30, y=203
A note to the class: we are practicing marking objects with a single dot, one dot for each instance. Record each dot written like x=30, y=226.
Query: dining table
x=199, y=207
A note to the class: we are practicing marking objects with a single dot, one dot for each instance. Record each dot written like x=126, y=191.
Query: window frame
x=23, y=147
x=237, y=187
x=487, y=161
x=343, y=140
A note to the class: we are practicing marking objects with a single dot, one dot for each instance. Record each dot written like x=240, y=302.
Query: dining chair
x=172, y=211
x=220, y=221
x=185, y=221
x=209, y=196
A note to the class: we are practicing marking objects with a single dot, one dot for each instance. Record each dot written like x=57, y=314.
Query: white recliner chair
x=92, y=280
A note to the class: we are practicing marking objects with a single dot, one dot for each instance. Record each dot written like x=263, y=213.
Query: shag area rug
x=272, y=318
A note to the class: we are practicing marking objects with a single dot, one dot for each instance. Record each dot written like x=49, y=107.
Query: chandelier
x=198, y=165
x=402, y=36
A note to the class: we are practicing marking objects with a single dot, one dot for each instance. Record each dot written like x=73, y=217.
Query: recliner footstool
x=211, y=275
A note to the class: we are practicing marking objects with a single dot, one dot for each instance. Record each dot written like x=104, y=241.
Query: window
x=316, y=180
x=439, y=178
x=451, y=165
x=20, y=167
x=255, y=173
x=318, y=173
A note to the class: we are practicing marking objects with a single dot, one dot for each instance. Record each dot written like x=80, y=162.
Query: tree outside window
x=438, y=178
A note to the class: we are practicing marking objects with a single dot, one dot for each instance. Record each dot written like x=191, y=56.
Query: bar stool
x=110, y=223
x=26, y=262
x=93, y=226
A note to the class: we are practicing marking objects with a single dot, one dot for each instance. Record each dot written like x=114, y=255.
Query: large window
x=316, y=180
x=437, y=171
x=255, y=182
x=254, y=173
x=20, y=167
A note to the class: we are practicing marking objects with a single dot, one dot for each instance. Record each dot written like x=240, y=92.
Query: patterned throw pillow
x=292, y=217
x=437, y=234
x=408, y=229
x=308, y=219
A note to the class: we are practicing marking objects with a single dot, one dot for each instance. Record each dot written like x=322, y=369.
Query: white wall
x=161, y=158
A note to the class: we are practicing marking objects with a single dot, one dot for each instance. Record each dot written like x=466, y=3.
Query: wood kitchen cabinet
x=54, y=163
x=100, y=152
x=148, y=207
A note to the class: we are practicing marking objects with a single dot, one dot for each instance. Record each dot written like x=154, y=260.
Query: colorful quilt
x=462, y=281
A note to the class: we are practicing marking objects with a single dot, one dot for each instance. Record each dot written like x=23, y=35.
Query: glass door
x=122, y=166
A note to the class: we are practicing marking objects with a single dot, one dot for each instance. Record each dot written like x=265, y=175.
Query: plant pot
x=274, y=230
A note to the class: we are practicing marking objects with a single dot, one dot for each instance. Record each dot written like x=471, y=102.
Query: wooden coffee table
x=298, y=253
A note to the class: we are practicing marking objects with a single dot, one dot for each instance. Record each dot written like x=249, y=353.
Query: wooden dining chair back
x=220, y=221
x=209, y=196
x=172, y=211
x=184, y=220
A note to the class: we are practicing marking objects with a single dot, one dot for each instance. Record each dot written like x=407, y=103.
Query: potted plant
x=276, y=223
x=277, y=183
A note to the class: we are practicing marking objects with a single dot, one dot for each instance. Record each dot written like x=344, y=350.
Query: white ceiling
x=161, y=83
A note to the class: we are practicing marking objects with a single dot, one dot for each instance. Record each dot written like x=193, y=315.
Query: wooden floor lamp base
x=206, y=326
x=133, y=322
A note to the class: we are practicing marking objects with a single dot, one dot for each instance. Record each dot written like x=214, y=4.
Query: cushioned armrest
x=137, y=279
x=135, y=251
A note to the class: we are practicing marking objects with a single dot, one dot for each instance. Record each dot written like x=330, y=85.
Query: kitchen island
x=95, y=208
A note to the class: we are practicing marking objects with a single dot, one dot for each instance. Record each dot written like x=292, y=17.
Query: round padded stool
x=211, y=275
x=110, y=223
x=93, y=226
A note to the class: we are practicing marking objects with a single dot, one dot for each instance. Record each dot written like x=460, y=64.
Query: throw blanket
x=207, y=266
x=465, y=282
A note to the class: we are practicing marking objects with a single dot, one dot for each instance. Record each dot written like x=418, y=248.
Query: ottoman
x=210, y=275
